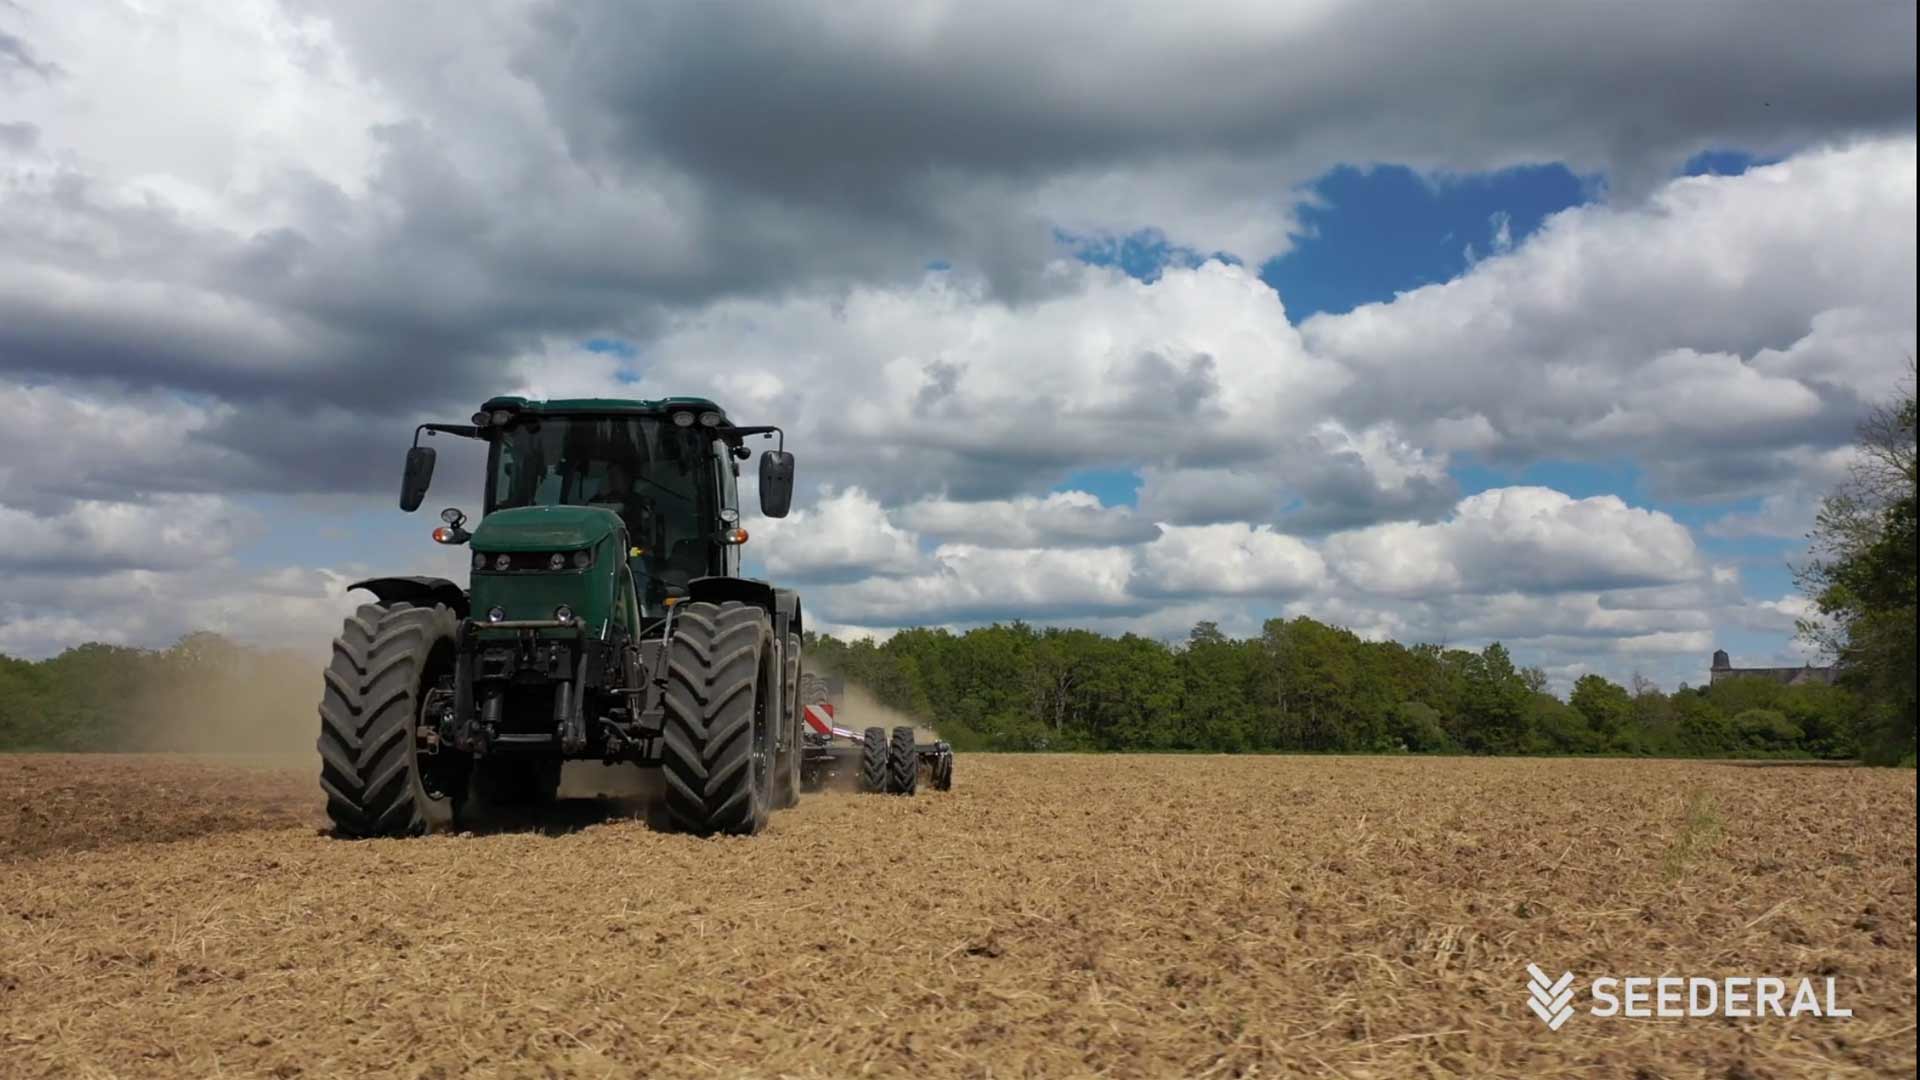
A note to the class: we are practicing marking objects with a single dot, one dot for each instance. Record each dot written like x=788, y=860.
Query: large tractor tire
x=786, y=773
x=903, y=763
x=943, y=771
x=386, y=662
x=516, y=780
x=873, y=761
x=718, y=746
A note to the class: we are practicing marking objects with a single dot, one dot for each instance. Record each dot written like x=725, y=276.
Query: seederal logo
x=1550, y=999
x=1671, y=997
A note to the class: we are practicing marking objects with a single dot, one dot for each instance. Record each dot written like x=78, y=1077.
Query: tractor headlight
x=501, y=416
x=683, y=419
x=556, y=561
x=582, y=559
x=496, y=613
x=502, y=562
x=479, y=560
x=709, y=419
x=563, y=613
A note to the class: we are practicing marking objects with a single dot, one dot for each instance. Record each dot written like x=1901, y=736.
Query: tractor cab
x=669, y=470
x=674, y=485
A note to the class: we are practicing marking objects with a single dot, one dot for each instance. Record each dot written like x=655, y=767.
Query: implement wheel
x=718, y=747
x=873, y=761
x=388, y=661
x=903, y=763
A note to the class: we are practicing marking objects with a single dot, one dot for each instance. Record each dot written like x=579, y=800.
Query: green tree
x=1554, y=727
x=1495, y=705
x=1216, y=685
x=1604, y=704
x=1416, y=726
x=1862, y=578
x=1766, y=729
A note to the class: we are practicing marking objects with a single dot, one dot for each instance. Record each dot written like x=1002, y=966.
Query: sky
x=1542, y=323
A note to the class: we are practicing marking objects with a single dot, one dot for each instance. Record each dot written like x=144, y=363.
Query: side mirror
x=414, y=481
x=776, y=483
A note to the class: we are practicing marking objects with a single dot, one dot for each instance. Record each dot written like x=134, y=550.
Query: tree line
x=1304, y=686
x=1301, y=686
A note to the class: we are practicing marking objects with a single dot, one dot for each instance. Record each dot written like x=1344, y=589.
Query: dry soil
x=1052, y=915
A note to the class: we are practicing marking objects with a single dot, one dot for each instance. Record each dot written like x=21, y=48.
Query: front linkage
x=616, y=684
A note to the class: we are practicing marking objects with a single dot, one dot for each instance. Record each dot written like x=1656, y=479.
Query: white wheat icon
x=1550, y=1000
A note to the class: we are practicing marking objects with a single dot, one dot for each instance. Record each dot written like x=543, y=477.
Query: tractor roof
x=601, y=405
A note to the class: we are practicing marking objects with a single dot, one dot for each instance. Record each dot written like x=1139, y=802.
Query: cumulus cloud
x=941, y=389
x=1192, y=111
x=1059, y=519
x=967, y=584
x=1226, y=560
x=170, y=532
x=840, y=534
x=1530, y=539
x=1670, y=332
x=288, y=607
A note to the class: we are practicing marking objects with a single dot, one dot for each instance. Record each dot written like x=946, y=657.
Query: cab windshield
x=659, y=478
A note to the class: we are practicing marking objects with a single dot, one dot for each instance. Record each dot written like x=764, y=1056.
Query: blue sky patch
x=1142, y=255
x=1114, y=487
x=1722, y=163
x=1579, y=479
x=1380, y=231
x=618, y=347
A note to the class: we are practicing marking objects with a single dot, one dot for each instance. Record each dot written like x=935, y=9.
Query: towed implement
x=605, y=618
x=882, y=761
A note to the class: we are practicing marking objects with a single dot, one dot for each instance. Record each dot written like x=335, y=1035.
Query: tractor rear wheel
x=387, y=662
x=903, y=763
x=718, y=746
x=873, y=760
x=787, y=770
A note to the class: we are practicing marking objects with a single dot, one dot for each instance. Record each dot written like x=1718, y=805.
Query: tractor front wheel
x=388, y=662
x=718, y=747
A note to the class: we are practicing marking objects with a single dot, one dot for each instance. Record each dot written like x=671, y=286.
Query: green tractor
x=605, y=619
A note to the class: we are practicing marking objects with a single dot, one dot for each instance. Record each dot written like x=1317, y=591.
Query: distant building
x=1804, y=675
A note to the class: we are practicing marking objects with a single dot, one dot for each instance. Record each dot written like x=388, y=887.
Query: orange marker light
x=736, y=536
x=443, y=534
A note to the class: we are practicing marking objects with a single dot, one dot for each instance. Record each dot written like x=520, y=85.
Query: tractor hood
x=544, y=528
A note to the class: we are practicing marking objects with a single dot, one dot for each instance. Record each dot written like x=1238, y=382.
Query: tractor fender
x=781, y=605
x=418, y=591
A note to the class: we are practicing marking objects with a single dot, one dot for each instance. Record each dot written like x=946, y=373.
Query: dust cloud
x=859, y=709
x=241, y=700
x=252, y=702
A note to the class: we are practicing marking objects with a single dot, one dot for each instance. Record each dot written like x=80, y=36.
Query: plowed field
x=1056, y=916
